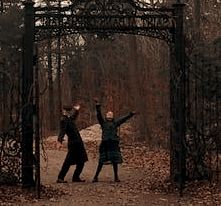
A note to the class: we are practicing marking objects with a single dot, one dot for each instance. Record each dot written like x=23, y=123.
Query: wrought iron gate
x=104, y=17
x=203, y=112
x=10, y=105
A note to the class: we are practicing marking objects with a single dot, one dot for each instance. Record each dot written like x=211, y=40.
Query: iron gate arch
x=107, y=17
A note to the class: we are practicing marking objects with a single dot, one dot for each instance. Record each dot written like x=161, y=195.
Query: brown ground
x=135, y=188
x=141, y=186
x=105, y=192
x=144, y=181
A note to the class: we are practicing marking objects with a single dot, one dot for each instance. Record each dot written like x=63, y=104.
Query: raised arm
x=124, y=118
x=76, y=112
x=62, y=130
x=99, y=115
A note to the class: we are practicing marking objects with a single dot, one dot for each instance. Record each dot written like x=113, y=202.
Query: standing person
x=109, y=150
x=76, y=152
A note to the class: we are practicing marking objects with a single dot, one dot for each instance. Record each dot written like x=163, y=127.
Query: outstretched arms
x=123, y=119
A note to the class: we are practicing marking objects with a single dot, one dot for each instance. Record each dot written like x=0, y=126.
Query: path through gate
x=108, y=17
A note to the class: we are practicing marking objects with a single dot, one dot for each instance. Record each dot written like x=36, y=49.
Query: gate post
x=27, y=96
x=177, y=97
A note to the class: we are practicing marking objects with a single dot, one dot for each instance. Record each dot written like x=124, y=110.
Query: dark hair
x=67, y=107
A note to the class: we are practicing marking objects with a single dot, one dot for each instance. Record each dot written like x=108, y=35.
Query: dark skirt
x=76, y=154
x=110, y=152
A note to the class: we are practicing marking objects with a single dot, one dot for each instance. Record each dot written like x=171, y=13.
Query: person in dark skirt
x=76, y=152
x=109, y=150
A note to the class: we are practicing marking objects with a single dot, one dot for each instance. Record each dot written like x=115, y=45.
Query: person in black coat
x=109, y=150
x=76, y=152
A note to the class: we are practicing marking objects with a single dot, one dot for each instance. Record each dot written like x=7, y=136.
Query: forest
x=91, y=62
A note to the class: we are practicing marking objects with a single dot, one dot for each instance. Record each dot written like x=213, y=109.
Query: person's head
x=109, y=116
x=67, y=109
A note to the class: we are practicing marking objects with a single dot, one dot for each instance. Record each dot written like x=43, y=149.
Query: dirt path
x=143, y=177
x=106, y=192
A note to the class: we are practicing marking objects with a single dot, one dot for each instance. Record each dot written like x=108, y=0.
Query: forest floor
x=144, y=180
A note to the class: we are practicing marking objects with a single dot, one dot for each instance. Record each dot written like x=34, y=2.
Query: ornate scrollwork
x=11, y=146
x=104, y=7
x=94, y=7
x=106, y=16
x=10, y=157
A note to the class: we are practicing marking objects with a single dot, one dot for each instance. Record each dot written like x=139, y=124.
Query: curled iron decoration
x=10, y=157
x=120, y=8
x=10, y=143
x=103, y=7
x=94, y=7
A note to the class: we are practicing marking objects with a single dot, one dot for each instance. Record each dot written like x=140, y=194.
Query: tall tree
x=51, y=103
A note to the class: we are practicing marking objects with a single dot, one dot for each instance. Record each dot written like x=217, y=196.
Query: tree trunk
x=50, y=88
x=196, y=19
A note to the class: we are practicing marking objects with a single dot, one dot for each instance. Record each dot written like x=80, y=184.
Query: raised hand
x=77, y=107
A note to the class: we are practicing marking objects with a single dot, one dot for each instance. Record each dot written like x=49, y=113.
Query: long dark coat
x=76, y=151
x=109, y=149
